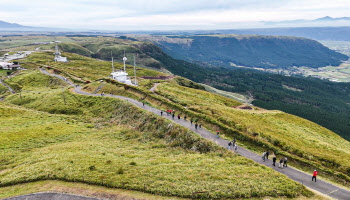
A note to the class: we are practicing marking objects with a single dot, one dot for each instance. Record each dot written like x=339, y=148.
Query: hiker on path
x=281, y=163
x=200, y=125
x=143, y=103
x=229, y=145
x=235, y=146
x=173, y=115
x=191, y=121
x=178, y=117
x=217, y=133
x=234, y=141
x=285, y=162
x=263, y=156
x=196, y=125
x=267, y=154
x=274, y=160
x=314, y=175
x=185, y=117
x=161, y=113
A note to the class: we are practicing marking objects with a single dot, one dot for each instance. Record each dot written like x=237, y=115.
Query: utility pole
x=135, y=68
x=64, y=98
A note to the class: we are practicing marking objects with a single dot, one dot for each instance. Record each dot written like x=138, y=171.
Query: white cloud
x=164, y=14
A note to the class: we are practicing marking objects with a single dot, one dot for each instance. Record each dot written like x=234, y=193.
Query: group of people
x=282, y=163
x=232, y=143
x=172, y=113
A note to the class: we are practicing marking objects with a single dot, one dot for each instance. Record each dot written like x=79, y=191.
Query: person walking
x=267, y=154
x=217, y=134
x=274, y=160
x=263, y=156
x=143, y=103
x=191, y=121
x=161, y=113
x=196, y=125
x=178, y=117
x=229, y=145
x=281, y=163
x=185, y=117
x=235, y=146
x=200, y=125
x=173, y=115
x=285, y=162
x=314, y=175
x=234, y=141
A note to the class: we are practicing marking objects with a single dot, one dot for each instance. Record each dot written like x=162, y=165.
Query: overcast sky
x=165, y=14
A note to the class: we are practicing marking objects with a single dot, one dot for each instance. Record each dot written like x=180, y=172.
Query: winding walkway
x=298, y=176
x=8, y=87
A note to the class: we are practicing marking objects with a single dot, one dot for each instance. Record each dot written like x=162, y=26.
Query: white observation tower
x=121, y=75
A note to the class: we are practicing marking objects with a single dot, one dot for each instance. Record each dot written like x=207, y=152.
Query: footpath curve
x=296, y=175
x=8, y=87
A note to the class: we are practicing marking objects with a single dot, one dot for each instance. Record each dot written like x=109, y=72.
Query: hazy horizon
x=171, y=15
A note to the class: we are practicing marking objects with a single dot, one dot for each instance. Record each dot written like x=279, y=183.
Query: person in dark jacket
x=185, y=117
x=161, y=113
x=200, y=125
x=229, y=145
x=191, y=121
x=285, y=162
x=281, y=163
x=196, y=125
x=173, y=115
x=274, y=160
x=267, y=154
x=178, y=117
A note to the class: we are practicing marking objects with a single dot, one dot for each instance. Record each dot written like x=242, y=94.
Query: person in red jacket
x=314, y=176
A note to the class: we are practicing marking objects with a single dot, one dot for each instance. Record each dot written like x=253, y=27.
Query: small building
x=9, y=66
x=121, y=75
x=58, y=57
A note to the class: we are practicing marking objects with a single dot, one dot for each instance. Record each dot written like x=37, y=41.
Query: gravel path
x=301, y=177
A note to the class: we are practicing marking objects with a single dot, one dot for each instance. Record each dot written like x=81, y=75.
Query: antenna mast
x=124, y=59
x=112, y=62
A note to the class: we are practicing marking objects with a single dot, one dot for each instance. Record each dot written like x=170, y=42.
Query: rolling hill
x=251, y=51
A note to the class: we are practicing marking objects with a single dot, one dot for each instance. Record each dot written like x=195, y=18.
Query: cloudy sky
x=165, y=14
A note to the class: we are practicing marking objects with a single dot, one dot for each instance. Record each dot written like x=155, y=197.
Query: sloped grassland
x=110, y=142
x=304, y=142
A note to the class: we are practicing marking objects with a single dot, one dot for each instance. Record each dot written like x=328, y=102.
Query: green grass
x=83, y=67
x=96, y=143
x=29, y=80
x=295, y=137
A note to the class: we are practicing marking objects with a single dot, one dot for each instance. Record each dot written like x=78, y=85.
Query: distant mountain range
x=6, y=26
x=324, y=21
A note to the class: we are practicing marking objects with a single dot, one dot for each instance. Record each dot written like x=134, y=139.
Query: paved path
x=301, y=177
x=11, y=90
x=50, y=196
x=154, y=87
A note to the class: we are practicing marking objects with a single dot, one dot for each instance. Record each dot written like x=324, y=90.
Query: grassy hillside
x=253, y=51
x=110, y=142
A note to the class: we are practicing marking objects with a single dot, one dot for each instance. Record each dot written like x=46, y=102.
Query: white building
x=58, y=57
x=8, y=66
x=121, y=75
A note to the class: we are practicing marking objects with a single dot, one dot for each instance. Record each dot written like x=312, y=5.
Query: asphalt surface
x=298, y=176
x=50, y=196
x=8, y=87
